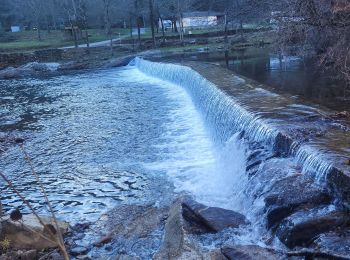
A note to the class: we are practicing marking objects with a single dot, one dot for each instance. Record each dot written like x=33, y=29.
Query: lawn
x=27, y=40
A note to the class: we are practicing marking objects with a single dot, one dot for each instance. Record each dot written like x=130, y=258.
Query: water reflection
x=283, y=74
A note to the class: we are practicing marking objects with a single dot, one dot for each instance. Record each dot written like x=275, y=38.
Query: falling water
x=225, y=116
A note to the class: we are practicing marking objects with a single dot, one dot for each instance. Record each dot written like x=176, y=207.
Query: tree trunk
x=39, y=32
x=87, y=38
x=175, y=25
x=163, y=29
x=226, y=29
x=139, y=22
x=151, y=17
x=75, y=37
x=130, y=21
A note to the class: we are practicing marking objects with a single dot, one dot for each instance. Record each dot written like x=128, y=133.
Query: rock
x=118, y=62
x=83, y=257
x=289, y=194
x=127, y=257
x=10, y=73
x=251, y=252
x=78, y=250
x=336, y=243
x=73, y=65
x=301, y=228
x=129, y=229
x=52, y=256
x=28, y=233
x=210, y=219
x=104, y=240
x=175, y=245
x=283, y=143
x=35, y=66
x=29, y=255
x=215, y=255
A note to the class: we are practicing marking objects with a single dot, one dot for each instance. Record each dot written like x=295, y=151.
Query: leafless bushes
x=54, y=232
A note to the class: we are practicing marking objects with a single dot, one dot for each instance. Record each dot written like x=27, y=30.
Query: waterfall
x=225, y=116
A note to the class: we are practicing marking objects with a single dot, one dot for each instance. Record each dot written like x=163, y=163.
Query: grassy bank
x=28, y=40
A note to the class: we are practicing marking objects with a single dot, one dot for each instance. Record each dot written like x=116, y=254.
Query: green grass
x=27, y=40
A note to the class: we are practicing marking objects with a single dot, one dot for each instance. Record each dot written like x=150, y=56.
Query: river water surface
x=114, y=136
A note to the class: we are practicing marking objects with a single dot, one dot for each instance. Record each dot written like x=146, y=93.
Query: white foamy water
x=213, y=174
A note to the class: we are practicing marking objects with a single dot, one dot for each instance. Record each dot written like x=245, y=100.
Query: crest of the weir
x=225, y=116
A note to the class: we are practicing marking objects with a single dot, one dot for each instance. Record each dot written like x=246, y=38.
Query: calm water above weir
x=287, y=74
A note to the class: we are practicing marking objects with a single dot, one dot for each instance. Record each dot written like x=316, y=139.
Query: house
x=193, y=20
x=15, y=28
x=201, y=19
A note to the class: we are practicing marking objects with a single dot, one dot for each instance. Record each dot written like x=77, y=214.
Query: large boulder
x=301, y=228
x=210, y=219
x=175, y=244
x=251, y=252
x=185, y=215
x=29, y=233
x=128, y=230
x=291, y=193
x=334, y=243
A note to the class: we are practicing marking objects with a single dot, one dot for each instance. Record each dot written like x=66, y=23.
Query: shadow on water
x=283, y=74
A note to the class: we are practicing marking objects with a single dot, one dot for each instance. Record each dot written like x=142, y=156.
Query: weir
x=229, y=107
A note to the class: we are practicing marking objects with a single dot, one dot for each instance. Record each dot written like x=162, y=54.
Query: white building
x=15, y=28
x=201, y=19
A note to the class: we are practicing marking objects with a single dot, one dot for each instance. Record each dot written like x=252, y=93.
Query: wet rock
x=27, y=234
x=210, y=219
x=78, y=250
x=129, y=229
x=127, y=257
x=301, y=228
x=251, y=252
x=289, y=194
x=52, y=256
x=252, y=165
x=336, y=243
x=339, y=182
x=21, y=255
x=282, y=143
x=215, y=255
x=29, y=255
x=118, y=62
x=73, y=65
x=10, y=73
x=175, y=245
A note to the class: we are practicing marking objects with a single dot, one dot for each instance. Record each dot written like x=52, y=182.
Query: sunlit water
x=110, y=137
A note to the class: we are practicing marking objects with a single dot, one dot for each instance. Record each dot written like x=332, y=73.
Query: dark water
x=283, y=74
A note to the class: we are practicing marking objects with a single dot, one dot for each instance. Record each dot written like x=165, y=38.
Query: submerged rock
x=301, y=228
x=251, y=252
x=289, y=194
x=210, y=219
x=27, y=234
